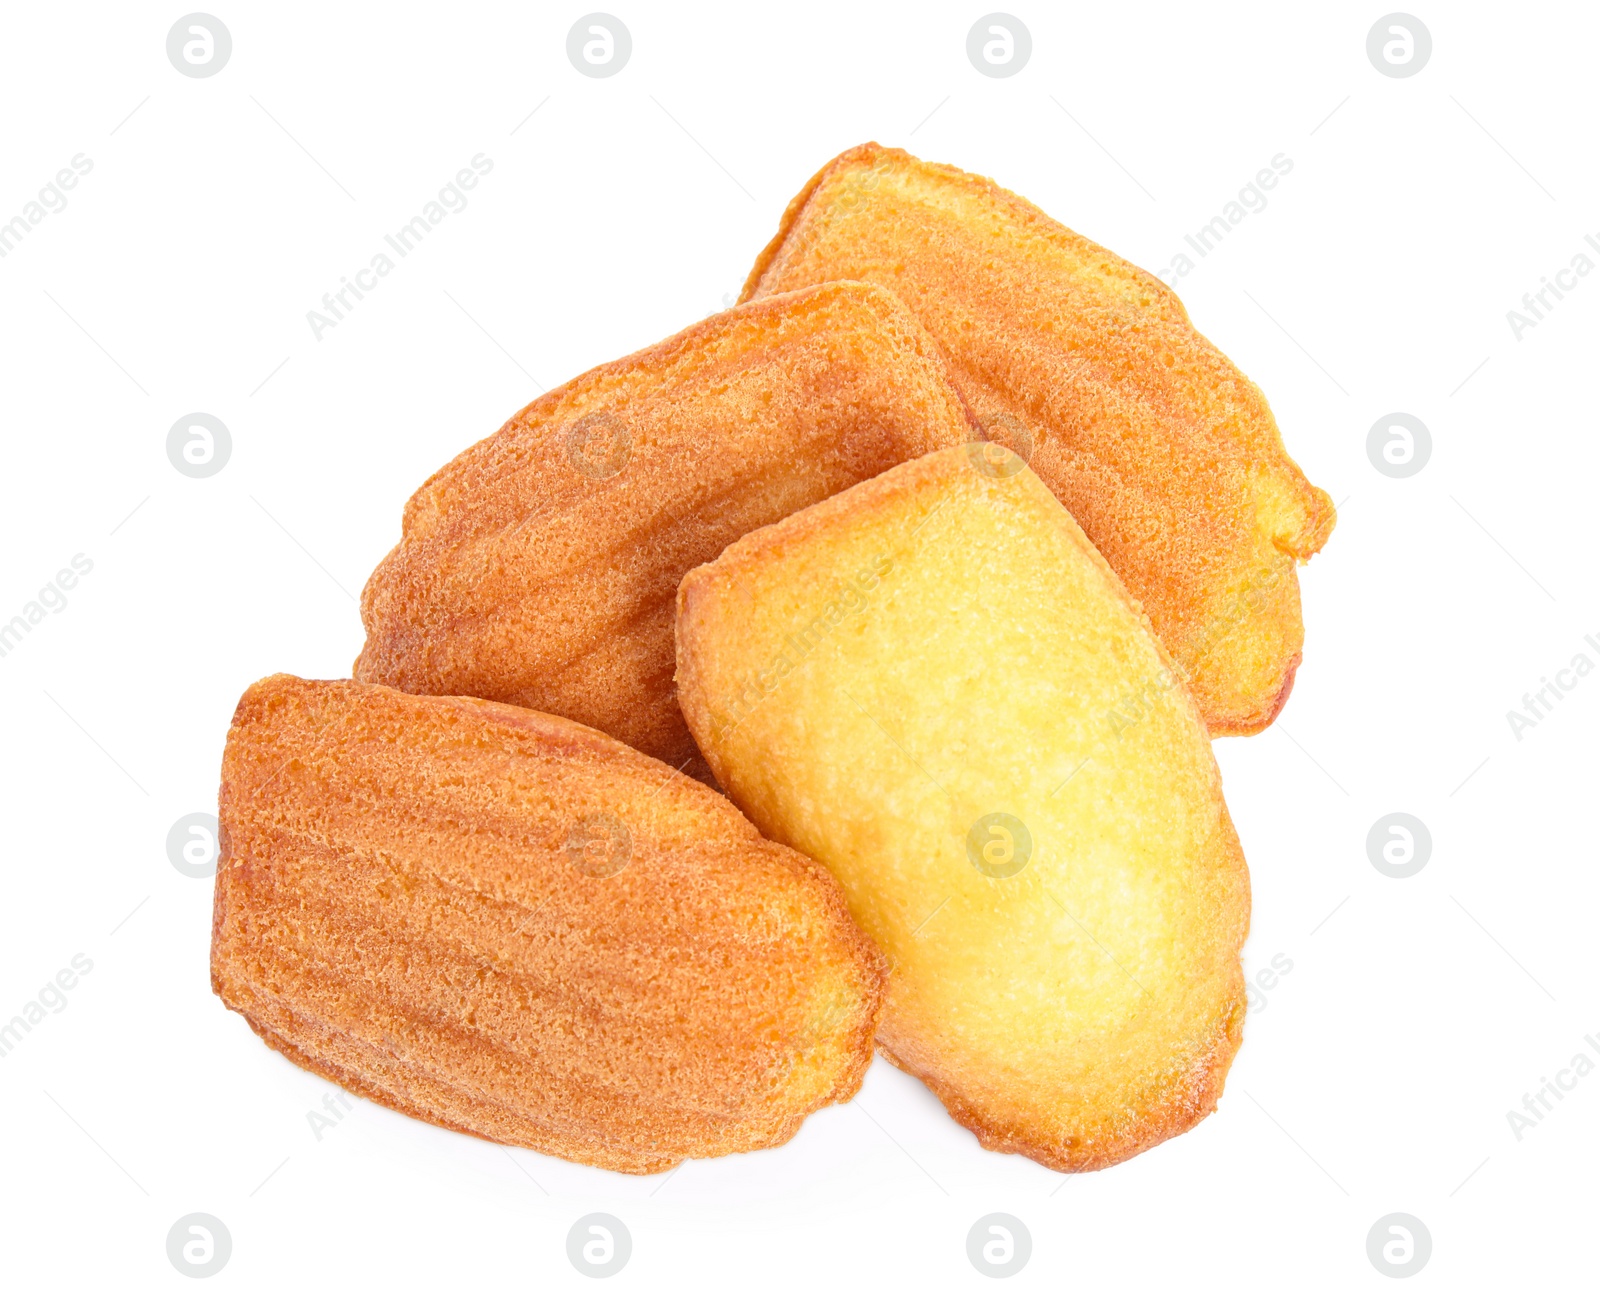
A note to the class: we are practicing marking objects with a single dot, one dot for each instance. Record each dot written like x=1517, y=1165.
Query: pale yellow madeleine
x=934, y=685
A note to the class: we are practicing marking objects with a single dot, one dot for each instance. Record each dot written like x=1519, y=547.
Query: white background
x=1378, y=1074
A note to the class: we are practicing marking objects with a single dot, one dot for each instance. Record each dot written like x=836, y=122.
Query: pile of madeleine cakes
x=840, y=671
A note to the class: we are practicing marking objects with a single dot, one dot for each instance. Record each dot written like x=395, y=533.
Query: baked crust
x=508, y=924
x=1162, y=450
x=539, y=567
x=988, y=661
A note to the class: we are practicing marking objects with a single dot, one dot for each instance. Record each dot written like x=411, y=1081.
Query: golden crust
x=1162, y=450
x=539, y=566
x=872, y=679
x=511, y=925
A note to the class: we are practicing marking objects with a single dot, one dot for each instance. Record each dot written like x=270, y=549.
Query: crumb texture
x=511, y=925
x=1088, y=367
x=934, y=685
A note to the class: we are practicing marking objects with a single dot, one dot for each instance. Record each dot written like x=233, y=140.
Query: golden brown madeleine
x=510, y=925
x=539, y=567
x=934, y=685
x=1162, y=450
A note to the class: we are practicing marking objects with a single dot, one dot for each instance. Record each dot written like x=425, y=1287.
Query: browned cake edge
x=1198, y=1093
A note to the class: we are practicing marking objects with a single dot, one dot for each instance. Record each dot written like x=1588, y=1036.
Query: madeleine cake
x=539, y=567
x=511, y=925
x=933, y=684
